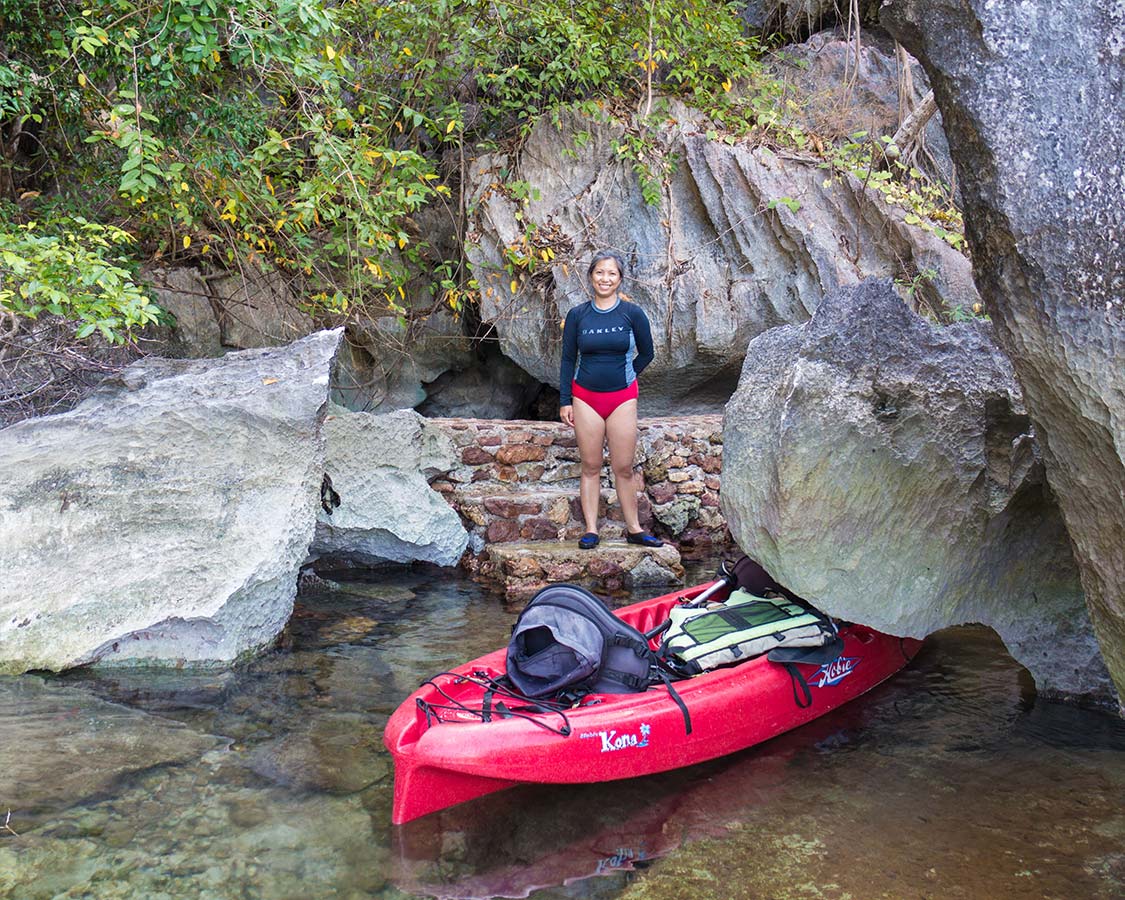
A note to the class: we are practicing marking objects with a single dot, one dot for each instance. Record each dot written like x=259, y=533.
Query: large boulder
x=165, y=519
x=886, y=470
x=1030, y=94
x=380, y=507
x=184, y=293
x=391, y=361
x=742, y=239
x=220, y=311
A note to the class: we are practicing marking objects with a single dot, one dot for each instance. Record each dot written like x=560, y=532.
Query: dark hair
x=602, y=255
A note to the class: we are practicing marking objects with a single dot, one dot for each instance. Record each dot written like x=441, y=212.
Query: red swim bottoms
x=605, y=402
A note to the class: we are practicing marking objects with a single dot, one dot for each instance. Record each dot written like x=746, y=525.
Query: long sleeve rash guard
x=604, y=350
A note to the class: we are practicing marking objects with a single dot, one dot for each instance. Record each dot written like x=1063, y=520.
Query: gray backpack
x=567, y=643
x=566, y=639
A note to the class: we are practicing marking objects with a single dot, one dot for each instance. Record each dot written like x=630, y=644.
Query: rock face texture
x=885, y=469
x=386, y=510
x=215, y=313
x=1030, y=94
x=741, y=240
x=165, y=518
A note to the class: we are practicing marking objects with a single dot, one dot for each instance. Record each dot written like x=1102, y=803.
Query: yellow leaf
x=187, y=241
x=543, y=255
x=269, y=381
x=401, y=243
x=81, y=79
x=215, y=55
x=205, y=248
x=726, y=84
x=401, y=292
x=514, y=285
x=329, y=51
x=452, y=124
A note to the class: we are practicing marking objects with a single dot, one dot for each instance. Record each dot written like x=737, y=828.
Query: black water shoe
x=588, y=541
x=644, y=539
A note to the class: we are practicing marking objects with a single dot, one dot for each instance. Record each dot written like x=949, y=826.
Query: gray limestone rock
x=163, y=520
x=184, y=293
x=387, y=511
x=257, y=309
x=886, y=470
x=336, y=754
x=1031, y=97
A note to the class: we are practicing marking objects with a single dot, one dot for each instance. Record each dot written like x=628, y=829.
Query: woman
x=607, y=342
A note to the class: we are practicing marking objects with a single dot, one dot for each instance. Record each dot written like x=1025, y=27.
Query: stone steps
x=524, y=568
x=498, y=515
x=515, y=487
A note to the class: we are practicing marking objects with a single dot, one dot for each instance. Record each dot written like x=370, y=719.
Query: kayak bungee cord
x=491, y=687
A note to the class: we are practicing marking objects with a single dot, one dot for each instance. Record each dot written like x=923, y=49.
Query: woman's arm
x=642, y=335
x=569, y=356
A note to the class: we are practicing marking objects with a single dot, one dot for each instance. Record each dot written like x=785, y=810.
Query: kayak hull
x=449, y=757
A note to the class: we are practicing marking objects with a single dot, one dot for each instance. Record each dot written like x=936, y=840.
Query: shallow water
x=949, y=781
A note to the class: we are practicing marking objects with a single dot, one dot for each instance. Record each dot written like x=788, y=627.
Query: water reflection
x=271, y=781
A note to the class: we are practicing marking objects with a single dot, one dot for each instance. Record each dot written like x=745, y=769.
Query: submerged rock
x=334, y=754
x=1030, y=94
x=44, y=769
x=165, y=519
x=886, y=470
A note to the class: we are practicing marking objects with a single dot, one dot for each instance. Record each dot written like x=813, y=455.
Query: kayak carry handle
x=725, y=578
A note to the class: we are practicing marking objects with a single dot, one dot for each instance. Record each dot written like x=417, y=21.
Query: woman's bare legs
x=621, y=429
x=590, y=430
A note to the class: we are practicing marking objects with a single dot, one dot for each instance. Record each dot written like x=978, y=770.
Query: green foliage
x=650, y=162
x=875, y=162
x=78, y=270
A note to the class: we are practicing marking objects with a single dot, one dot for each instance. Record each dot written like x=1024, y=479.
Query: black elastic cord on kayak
x=491, y=687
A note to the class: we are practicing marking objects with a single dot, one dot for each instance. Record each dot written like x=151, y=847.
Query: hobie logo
x=835, y=671
x=612, y=740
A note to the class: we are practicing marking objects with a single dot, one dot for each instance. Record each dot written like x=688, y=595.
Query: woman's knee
x=591, y=468
x=623, y=471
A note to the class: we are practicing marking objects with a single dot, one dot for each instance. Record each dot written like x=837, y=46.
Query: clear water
x=950, y=781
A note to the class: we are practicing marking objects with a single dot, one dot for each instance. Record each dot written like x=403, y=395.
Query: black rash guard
x=599, y=346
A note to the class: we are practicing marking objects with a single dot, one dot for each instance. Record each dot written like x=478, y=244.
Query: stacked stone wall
x=518, y=481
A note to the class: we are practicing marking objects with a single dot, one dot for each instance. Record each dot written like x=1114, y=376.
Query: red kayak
x=446, y=752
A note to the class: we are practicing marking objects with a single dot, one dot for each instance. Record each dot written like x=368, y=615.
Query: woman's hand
x=566, y=415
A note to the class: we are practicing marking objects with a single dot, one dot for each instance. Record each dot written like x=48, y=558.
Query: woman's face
x=605, y=279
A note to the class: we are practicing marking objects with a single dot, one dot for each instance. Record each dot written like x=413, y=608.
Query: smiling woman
x=607, y=343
